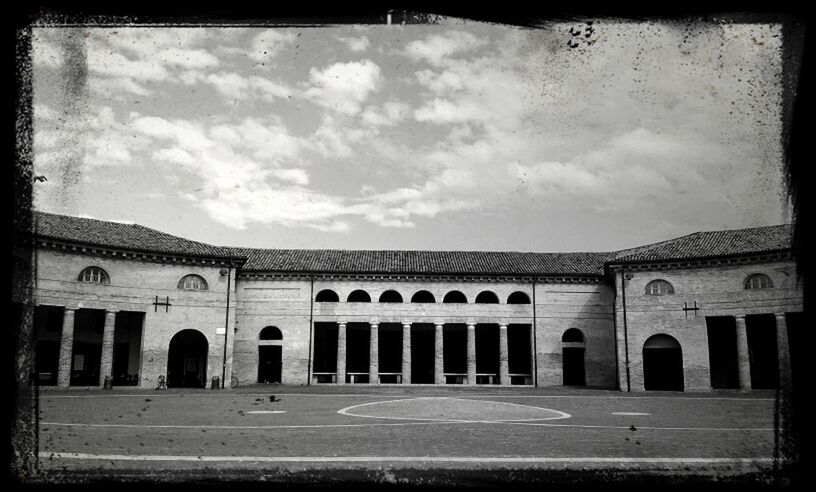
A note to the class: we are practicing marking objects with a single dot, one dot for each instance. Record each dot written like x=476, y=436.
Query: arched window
x=192, y=282
x=455, y=297
x=758, y=281
x=390, y=296
x=359, y=296
x=94, y=275
x=487, y=297
x=573, y=335
x=271, y=333
x=659, y=288
x=327, y=295
x=423, y=296
x=518, y=298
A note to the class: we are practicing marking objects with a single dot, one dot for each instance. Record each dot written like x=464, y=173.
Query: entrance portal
x=422, y=353
x=573, y=349
x=722, y=352
x=269, y=364
x=662, y=364
x=761, y=330
x=187, y=360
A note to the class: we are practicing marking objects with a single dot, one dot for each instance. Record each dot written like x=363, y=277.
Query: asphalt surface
x=276, y=428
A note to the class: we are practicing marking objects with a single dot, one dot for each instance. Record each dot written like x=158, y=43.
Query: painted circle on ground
x=451, y=409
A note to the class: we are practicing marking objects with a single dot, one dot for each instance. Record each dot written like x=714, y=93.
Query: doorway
x=662, y=364
x=187, y=360
x=269, y=363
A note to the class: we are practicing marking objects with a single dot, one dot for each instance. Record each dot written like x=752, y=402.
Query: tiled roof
x=423, y=262
x=713, y=243
x=121, y=236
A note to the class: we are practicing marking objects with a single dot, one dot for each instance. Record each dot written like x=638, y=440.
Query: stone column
x=504, y=370
x=743, y=359
x=341, y=353
x=439, y=356
x=106, y=366
x=471, y=354
x=406, y=353
x=533, y=353
x=66, y=348
x=783, y=351
x=374, y=355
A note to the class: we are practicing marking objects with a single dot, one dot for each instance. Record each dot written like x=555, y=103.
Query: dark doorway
x=487, y=353
x=662, y=364
x=86, y=358
x=796, y=345
x=127, y=348
x=573, y=350
x=761, y=329
x=269, y=363
x=454, y=347
x=48, y=332
x=358, y=347
x=518, y=349
x=187, y=360
x=325, y=348
x=390, y=348
x=422, y=354
x=722, y=352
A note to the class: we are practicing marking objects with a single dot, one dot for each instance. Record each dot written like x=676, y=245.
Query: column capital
x=406, y=325
x=503, y=326
x=343, y=323
x=471, y=325
x=111, y=311
x=374, y=323
x=439, y=325
x=70, y=309
x=739, y=316
x=780, y=315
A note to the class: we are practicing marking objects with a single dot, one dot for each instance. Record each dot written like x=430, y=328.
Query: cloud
x=390, y=114
x=436, y=48
x=355, y=44
x=236, y=86
x=267, y=44
x=343, y=87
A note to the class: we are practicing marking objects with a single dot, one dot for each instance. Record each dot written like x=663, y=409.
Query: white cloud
x=390, y=114
x=355, y=44
x=267, y=44
x=435, y=48
x=343, y=87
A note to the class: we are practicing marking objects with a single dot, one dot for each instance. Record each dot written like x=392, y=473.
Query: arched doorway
x=269, y=355
x=573, y=348
x=662, y=364
x=187, y=360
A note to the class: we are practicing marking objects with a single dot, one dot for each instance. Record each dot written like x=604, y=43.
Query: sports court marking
x=630, y=413
x=409, y=459
x=345, y=411
x=265, y=411
x=374, y=395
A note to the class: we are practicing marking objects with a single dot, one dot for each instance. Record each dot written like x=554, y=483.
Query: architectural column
x=533, y=362
x=406, y=353
x=374, y=355
x=743, y=359
x=783, y=351
x=66, y=348
x=106, y=365
x=471, y=354
x=439, y=356
x=341, y=353
x=504, y=370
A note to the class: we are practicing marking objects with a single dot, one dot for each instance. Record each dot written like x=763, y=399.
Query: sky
x=458, y=135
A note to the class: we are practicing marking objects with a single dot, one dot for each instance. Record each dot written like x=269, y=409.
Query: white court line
x=428, y=422
x=265, y=411
x=630, y=413
x=410, y=459
x=374, y=395
x=345, y=411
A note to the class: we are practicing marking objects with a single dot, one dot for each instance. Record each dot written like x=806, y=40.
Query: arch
x=758, y=281
x=487, y=297
x=327, y=295
x=187, y=360
x=662, y=363
x=518, y=298
x=573, y=335
x=192, y=282
x=573, y=358
x=659, y=287
x=94, y=275
x=270, y=333
x=390, y=296
x=455, y=297
x=359, y=296
x=423, y=296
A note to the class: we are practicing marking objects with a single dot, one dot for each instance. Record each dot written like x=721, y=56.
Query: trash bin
x=216, y=383
x=108, y=383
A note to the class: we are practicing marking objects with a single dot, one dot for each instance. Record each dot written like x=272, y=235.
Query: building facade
x=125, y=305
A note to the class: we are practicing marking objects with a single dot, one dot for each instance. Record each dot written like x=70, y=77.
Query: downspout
x=615, y=330
x=535, y=349
x=311, y=331
x=226, y=325
x=625, y=332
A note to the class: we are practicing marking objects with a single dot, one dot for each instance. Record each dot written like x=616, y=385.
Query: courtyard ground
x=393, y=434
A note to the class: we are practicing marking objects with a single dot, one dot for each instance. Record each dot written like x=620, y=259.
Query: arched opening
x=573, y=350
x=659, y=287
x=192, y=282
x=390, y=296
x=758, y=281
x=270, y=361
x=423, y=296
x=487, y=297
x=518, y=298
x=454, y=297
x=327, y=295
x=271, y=333
x=187, y=360
x=662, y=363
x=359, y=296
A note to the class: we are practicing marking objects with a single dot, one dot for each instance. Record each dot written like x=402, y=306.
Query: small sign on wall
x=220, y=331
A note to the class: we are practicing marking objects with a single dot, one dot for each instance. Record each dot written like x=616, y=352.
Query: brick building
x=707, y=310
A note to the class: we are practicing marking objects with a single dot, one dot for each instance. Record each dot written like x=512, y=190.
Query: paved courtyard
x=274, y=428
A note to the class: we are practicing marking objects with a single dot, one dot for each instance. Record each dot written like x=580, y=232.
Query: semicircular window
x=758, y=281
x=94, y=275
x=423, y=296
x=659, y=288
x=271, y=333
x=327, y=295
x=359, y=296
x=390, y=296
x=192, y=282
x=455, y=297
x=518, y=298
x=487, y=297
